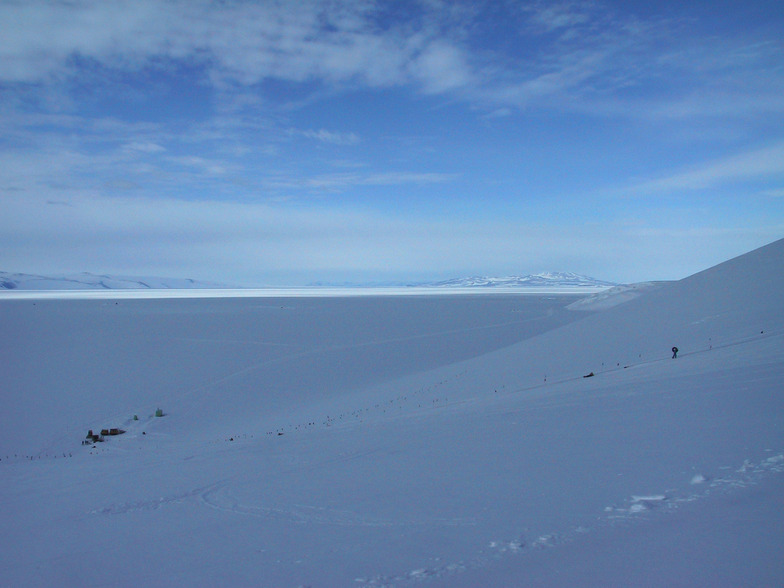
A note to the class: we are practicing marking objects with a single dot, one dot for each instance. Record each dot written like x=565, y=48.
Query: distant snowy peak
x=87, y=281
x=544, y=279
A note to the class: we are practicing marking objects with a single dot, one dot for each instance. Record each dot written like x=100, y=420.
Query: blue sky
x=280, y=143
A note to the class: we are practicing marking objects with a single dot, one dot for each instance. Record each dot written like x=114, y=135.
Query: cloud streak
x=330, y=137
x=758, y=164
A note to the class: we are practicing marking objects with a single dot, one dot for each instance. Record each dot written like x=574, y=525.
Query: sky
x=280, y=143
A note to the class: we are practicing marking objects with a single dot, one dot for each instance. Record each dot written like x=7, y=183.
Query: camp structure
x=97, y=438
x=92, y=438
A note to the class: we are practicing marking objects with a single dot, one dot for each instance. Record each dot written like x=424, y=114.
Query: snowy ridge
x=88, y=281
x=400, y=441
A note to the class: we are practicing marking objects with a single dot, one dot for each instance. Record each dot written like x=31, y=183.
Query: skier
x=674, y=352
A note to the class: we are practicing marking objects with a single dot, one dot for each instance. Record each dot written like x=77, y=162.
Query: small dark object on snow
x=674, y=352
x=91, y=438
x=588, y=375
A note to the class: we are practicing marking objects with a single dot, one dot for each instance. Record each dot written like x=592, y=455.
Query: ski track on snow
x=146, y=505
x=636, y=509
x=221, y=498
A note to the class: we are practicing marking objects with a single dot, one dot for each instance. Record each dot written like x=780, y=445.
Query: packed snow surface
x=399, y=440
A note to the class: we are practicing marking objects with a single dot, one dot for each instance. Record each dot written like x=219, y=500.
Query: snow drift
x=400, y=440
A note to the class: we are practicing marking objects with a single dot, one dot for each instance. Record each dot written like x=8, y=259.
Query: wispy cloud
x=208, y=166
x=331, y=137
x=243, y=43
x=144, y=147
x=573, y=55
x=758, y=164
x=564, y=16
x=60, y=157
x=777, y=193
x=338, y=182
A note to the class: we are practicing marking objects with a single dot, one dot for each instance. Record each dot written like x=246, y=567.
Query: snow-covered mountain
x=88, y=281
x=544, y=279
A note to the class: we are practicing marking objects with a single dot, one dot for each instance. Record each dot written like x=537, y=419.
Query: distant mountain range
x=544, y=279
x=540, y=280
x=87, y=281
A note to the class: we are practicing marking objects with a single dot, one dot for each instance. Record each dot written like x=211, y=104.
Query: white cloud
x=442, y=67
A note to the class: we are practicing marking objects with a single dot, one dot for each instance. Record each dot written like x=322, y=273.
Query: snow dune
x=440, y=441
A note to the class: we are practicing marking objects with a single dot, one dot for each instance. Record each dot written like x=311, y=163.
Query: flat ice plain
x=398, y=440
x=286, y=292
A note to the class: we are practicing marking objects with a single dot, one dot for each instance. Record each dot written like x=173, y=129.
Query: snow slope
x=447, y=441
x=613, y=296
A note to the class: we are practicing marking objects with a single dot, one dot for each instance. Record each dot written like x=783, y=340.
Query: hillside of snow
x=88, y=281
x=498, y=440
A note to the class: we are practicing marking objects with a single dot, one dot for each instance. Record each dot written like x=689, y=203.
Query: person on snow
x=674, y=352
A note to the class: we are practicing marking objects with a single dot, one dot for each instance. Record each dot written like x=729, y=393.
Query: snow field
x=439, y=443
